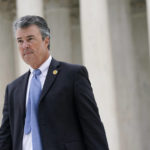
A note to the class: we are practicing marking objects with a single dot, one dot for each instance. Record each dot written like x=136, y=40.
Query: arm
x=92, y=127
x=5, y=135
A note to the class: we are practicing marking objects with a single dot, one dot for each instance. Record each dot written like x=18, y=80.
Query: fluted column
x=97, y=56
x=148, y=18
x=57, y=14
x=29, y=7
x=7, y=66
x=26, y=7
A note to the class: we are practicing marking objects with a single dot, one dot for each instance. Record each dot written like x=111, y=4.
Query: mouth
x=27, y=52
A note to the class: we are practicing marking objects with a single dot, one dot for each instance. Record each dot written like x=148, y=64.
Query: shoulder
x=19, y=80
x=72, y=67
x=73, y=71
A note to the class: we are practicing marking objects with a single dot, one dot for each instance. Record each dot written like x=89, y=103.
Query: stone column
x=148, y=20
x=57, y=14
x=29, y=7
x=26, y=7
x=97, y=56
x=76, y=33
x=7, y=65
x=140, y=26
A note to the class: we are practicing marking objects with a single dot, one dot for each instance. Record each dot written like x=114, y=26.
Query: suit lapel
x=21, y=94
x=53, y=71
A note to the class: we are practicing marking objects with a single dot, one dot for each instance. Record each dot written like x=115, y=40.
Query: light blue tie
x=31, y=120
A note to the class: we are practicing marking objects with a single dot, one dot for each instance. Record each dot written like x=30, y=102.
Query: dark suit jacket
x=68, y=115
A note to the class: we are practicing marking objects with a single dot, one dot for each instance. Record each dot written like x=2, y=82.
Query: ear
x=47, y=41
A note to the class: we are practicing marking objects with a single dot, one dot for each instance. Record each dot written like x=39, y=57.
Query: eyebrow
x=29, y=36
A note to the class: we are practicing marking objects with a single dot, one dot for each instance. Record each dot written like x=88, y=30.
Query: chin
x=28, y=62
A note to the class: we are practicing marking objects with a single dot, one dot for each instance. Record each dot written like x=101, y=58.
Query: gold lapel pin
x=55, y=72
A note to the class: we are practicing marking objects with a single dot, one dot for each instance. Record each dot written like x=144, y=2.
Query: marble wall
x=110, y=37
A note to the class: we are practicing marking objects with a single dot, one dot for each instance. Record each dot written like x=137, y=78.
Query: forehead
x=26, y=31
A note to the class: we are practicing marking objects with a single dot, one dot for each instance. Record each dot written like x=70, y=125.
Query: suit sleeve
x=5, y=134
x=91, y=125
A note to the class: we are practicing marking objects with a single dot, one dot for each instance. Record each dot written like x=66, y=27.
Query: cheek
x=20, y=50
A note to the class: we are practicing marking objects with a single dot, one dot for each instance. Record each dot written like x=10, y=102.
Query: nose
x=25, y=45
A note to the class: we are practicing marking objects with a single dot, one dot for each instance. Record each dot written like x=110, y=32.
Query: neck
x=36, y=66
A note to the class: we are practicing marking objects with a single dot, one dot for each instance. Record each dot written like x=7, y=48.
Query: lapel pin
x=55, y=72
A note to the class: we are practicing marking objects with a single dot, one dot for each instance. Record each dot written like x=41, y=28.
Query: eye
x=30, y=39
x=20, y=41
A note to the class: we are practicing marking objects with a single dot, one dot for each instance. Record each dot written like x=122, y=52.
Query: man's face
x=32, y=47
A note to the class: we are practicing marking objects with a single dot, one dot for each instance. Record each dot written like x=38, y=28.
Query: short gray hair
x=28, y=20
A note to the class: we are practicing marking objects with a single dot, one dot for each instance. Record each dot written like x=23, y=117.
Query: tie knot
x=37, y=72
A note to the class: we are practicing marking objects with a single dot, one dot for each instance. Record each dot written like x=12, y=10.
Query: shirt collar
x=44, y=67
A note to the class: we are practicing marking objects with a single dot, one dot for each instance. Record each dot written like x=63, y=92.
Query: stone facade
x=109, y=37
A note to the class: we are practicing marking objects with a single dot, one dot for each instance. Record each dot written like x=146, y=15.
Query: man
x=51, y=107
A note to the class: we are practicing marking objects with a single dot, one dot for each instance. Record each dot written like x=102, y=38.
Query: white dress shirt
x=27, y=139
